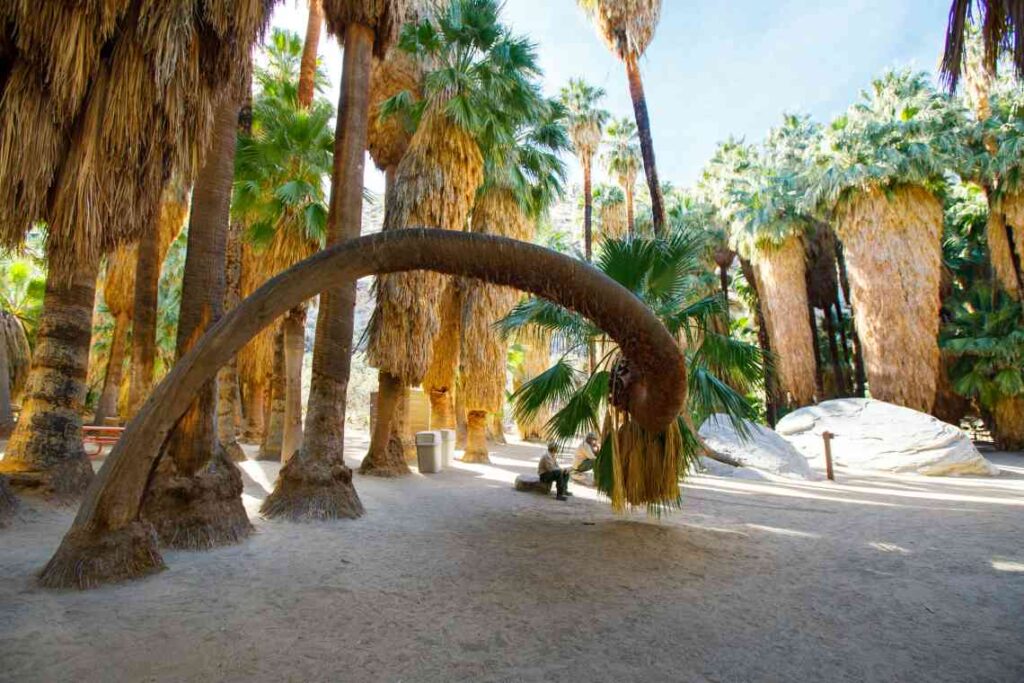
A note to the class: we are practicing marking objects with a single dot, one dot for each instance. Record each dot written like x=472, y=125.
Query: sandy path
x=457, y=577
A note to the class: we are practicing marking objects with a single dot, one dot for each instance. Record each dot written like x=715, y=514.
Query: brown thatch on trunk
x=387, y=139
x=434, y=187
x=384, y=17
x=536, y=359
x=439, y=380
x=781, y=283
x=1012, y=205
x=255, y=361
x=892, y=242
x=1000, y=252
x=612, y=216
x=822, y=276
x=1008, y=423
x=101, y=101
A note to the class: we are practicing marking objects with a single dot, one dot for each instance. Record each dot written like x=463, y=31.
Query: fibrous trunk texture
x=892, y=243
x=1005, y=236
x=439, y=381
x=107, y=404
x=194, y=500
x=588, y=209
x=536, y=359
x=6, y=412
x=782, y=289
x=1008, y=423
x=45, y=451
x=316, y=483
x=253, y=397
x=476, y=437
x=228, y=391
x=106, y=541
x=386, y=457
x=273, y=434
x=771, y=399
x=294, y=340
x=307, y=66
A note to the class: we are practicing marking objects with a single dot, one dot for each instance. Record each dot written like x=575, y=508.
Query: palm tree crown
x=585, y=119
x=622, y=152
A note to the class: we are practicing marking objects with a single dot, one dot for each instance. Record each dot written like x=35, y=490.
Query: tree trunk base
x=312, y=489
x=64, y=482
x=86, y=560
x=1008, y=423
x=198, y=512
x=8, y=503
x=233, y=451
x=389, y=463
x=475, y=455
x=268, y=455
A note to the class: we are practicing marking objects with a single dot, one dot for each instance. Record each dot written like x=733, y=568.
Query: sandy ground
x=457, y=577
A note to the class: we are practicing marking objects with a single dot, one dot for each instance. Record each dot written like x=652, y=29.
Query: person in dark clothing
x=550, y=471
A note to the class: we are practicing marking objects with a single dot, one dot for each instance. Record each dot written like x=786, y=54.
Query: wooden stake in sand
x=827, y=438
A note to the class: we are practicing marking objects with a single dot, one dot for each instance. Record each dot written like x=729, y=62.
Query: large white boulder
x=875, y=435
x=760, y=447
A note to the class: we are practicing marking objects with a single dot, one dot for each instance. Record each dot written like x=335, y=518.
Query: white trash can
x=447, y=446
x=428, y=452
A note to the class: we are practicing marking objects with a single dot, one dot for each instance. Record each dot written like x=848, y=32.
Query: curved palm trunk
x=643, y=127
x=273, y=434
x=302, y=490
x=109, y=542
x=195, y=496
x=45, y=451
x=307, y=67
x=107, y=404
x=294, y=341
x=892, y=244
x=782, y=289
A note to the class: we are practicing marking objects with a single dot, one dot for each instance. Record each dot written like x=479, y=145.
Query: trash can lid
x=427, y=438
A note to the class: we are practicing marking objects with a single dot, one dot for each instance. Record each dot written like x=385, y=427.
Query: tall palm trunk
x=588, y=208
x=228, y=392
x=307, y=67
x=893, y=250
x=273, y=434
x=144, y=320
x=45, y=451
x=630, y=216
x=782, y=291
x=294, y=341
x=643, y=127
x=107, y=404
x=194, y=499
x=254, y=398
x=301, y=492
x=771, y=402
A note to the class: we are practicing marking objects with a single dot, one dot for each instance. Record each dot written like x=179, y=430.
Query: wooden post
x=827, y=437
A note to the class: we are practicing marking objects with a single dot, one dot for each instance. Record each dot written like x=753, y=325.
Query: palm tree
x=302, y=492
x=478, y=85
x=195, y=495
x=1001, y=23
x=521, y=179
x=628, y=28
x=308, y=66
x=873, y=174
x=585, y=120
x=769, y=228
x=14, y=362
x=666, y=274
x=279, y=193
x=87, y=153
x=622, y=159
x=610, y=202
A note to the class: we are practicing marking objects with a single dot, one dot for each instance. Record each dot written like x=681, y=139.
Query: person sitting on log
x=550, y=471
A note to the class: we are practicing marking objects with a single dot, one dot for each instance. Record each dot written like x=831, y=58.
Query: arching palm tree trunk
x=303, y=490
x=643, y=127
x=45, y=451
x=194, y=499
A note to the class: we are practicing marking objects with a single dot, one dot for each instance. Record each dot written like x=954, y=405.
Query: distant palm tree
x=628, y=28
x=585, y=121
x=622, y=158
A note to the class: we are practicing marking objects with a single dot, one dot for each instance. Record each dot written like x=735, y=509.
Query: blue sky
x=719, y=68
